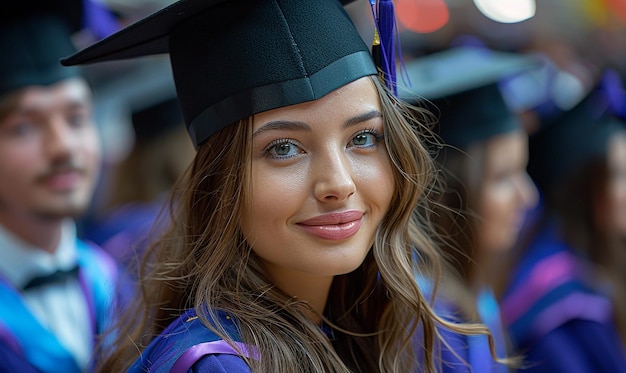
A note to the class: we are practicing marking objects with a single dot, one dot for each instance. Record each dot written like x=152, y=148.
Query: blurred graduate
x=565, y=299
x=136, y=209
x=55, y=289
x=485, y=191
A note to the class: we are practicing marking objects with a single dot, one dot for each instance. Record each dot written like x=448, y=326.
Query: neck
x=307, y=288
x=44, y=234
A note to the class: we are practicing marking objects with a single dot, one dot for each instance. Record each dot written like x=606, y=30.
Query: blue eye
x=366, y=138
x=77, y=120
x=282, y=149
x=23, y=128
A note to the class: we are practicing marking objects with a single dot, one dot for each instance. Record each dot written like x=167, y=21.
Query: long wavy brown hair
x=456, y=220
x=203, y=261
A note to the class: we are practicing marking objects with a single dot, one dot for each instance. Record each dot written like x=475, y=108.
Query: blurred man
x=55, y=289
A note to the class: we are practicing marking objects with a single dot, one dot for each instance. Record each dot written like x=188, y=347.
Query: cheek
x=274, y=195
x=271, y=189
x=375, y=180
x=91, y=150
x=617, y=205
x=19, y=162
x=498, y=211
x=497, y=204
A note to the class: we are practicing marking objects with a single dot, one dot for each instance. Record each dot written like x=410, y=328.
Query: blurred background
x=579, y=37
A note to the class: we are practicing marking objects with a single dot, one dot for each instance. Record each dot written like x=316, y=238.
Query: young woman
x=565, y=296
x=293, y=243
x=486, y=190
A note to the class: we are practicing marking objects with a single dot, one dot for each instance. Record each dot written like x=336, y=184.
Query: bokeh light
x=507, y=11
x=422, y=16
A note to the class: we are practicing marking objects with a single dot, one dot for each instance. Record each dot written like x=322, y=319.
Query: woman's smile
x=333, y=226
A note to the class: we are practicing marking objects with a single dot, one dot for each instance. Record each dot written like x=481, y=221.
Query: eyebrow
x=302, y=126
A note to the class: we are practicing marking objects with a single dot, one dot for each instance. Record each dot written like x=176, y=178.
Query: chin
x=73, y=210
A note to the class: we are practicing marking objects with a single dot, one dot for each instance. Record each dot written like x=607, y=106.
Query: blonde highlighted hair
x=376, y=311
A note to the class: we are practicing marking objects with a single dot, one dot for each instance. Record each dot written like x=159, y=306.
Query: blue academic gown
x=24, y=339
x=187, y=345
x=555, y=318
x=473, y=350
x=124, y=234
x=469, y=353
x=11, y=357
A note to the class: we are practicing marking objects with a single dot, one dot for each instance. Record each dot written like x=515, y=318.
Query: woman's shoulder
x=187, y=341
x=550, y=287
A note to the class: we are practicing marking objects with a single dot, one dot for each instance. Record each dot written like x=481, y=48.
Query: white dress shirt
x=60, y=307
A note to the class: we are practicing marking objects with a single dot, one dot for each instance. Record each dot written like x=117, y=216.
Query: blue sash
x=39, y=345
x=185, y=341
x=473, y=349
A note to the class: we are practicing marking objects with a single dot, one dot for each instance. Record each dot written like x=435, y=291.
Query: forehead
x=506, y=149
x=617, y=149
x=32, y=99
x=68, y=91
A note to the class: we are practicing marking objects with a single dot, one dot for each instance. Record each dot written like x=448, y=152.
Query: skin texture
x=507, y=192
x=50, y=152
x=615, y=202
x=311, y=160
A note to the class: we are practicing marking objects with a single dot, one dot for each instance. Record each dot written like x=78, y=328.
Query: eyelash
x=283, y=141
x=267, y=151
x=371, y=131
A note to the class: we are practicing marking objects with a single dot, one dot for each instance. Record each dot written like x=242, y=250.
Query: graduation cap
x=566, y=142
x=234, y=58
x=156, y=119
x=33, y=42
x=461, y=86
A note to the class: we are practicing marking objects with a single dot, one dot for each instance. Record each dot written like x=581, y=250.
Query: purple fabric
x=548, y=274
x=575, y=306
x=12, y=362
x=8, y=341
x=554, y=317
x=86, y=289
x=221, y=363
x=387, y=31
x=194, y=353
x=99, y=19
x=580, y=346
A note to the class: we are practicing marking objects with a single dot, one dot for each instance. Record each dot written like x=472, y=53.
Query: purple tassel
x=384, y=46
x=98, y=19
x=614, y=92
x=387, y=33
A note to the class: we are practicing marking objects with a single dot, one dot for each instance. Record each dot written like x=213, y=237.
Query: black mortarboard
x=460, y=86
x=566, y=142
x=156, y=119
x=34, y=36
x=234, y=58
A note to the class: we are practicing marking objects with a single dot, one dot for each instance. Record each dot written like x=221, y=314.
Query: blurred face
x=49, y=152
x=616, y=196
x=321, y=184
x=508, y=192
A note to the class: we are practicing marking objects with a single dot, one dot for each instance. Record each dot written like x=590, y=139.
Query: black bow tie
x=51, y=278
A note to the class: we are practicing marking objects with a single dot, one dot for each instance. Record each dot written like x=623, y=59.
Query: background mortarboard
x=156, y=119
x=33, y=41
x=235, y=58
x=569, y=140
x=460, y=86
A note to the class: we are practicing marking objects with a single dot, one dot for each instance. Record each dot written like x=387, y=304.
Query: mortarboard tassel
x=384, y=44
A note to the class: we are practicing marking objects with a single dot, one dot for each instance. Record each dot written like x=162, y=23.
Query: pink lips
x=62, y=181
x=334, y=226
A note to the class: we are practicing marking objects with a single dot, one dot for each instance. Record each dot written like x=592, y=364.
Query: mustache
x=70, y=165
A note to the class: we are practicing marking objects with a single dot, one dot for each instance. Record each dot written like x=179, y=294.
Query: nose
x=333, y=177
x=529, y=195
x=60, y=139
